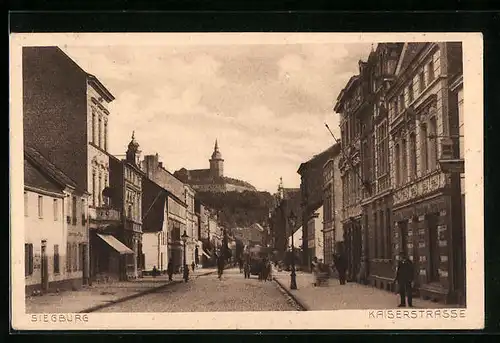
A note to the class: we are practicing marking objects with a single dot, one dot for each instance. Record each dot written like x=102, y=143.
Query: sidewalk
x=352, y=296
x=91, y=298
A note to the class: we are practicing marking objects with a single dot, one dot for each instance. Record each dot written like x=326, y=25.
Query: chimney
x=160, y=164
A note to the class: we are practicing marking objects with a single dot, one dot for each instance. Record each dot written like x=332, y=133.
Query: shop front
x=423, y=229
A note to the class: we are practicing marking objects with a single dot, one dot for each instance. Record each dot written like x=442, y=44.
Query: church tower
x=216, y=163
x=133, y=152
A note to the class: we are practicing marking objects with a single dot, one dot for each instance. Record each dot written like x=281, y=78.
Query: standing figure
x=240, y=262
x=341, y=265
x=246, y=269
x=155, y=271
x=170, y=270
x=404, y=278
x=192, y=266
x=220, y=265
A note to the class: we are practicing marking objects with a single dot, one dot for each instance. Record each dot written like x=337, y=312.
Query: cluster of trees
x=239, y=209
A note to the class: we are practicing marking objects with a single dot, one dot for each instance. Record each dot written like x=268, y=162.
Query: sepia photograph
x=246, y=181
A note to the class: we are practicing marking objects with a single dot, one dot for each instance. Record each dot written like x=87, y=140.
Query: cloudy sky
x=266, y=104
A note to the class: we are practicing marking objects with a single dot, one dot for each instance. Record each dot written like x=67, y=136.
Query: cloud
x=266, y=104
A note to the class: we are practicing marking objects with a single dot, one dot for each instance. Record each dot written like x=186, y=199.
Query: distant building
x=315, y=242
x=249, y=236
x=213, y=179
x=55, y=241
x=333, y=234
x=311, y=192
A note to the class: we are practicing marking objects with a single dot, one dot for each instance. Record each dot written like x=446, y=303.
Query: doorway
x=84, y=259
x=44, y=267
x=433, y=239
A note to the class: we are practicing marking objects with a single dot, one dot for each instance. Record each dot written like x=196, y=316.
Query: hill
x=239, y=209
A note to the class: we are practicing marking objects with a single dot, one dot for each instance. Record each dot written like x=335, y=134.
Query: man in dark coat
x=170, y=270
x=220, y=265
x=341, y=265
x=404, y=278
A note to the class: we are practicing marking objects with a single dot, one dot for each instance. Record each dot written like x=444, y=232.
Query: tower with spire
x=216, y=163
x=133, y=152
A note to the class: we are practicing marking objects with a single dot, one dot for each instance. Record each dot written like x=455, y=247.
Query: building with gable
x=213, y=179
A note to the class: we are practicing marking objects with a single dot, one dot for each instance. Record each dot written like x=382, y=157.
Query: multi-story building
x=311, y=188
x=287, y=200
x=376, y=76
x=55, y=241
x=332, y=207
x=350, y=103
x=423, y=119
x=125, y=193
x=315, y=242
x=191, y=224
x=177, y=210
x=66, y=116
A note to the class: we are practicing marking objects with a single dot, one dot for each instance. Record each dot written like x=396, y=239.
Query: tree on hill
x=238, y=209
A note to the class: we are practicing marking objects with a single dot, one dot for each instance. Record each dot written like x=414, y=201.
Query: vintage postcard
x=246, y=181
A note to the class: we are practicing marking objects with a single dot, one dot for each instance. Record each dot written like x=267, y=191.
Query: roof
x=35, y=178
x=333, y=150
x=100, y=87
x=410, y=51
x=46, y=166
x=340, y=98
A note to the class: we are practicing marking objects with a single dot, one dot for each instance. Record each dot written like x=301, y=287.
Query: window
x=404, y=166
x=382, y=149
x=423, y=148
x=105, y=135
x=26, y=203
x=73, y=210
x=397, y=158
x=56, y=209
x=28, y=259
x=83, y=211
x=93, y=189
x=56, y=259
x=421, y=81
x=68, y=257
x=413, y=156
x=99, y=199
x=80, y=256
x=431, y=71
x=40, y=206
x=99, y=137
x=433, y=143
x=93, y=126
x=395, y=105
x=410, y=92
x=74, y=257
x=402, y=102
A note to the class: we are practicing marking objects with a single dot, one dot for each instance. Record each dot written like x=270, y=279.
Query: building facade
x=332, y=208
x=349, y=105
x=423, y=115
x=311, y=192
x=376, y=76
x=56, y=255
x=191, y=225
x=315, y=241
x=66, y=117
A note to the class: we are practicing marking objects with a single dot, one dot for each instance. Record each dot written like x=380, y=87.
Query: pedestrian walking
x=314, y=270
x=192, y=266
x=404, y=278
x=220, y=266
x=240, y=263
x=341, y=265
x=246, y=269
x=170, y=270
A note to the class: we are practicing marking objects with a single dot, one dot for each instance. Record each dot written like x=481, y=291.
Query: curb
x=301, y=304
x=137, y=295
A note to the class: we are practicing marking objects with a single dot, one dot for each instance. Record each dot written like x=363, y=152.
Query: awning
x=115, y=244
x=205, y=253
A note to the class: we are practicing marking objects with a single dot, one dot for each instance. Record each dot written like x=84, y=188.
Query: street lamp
x=184, y=267
x=292, y=219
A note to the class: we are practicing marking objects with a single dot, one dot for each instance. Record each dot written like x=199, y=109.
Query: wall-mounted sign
x=420, y=188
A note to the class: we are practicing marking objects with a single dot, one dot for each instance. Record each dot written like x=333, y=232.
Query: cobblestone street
x=207, y=293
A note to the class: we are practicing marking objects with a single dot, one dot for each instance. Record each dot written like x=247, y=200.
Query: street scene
x=244, y=177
